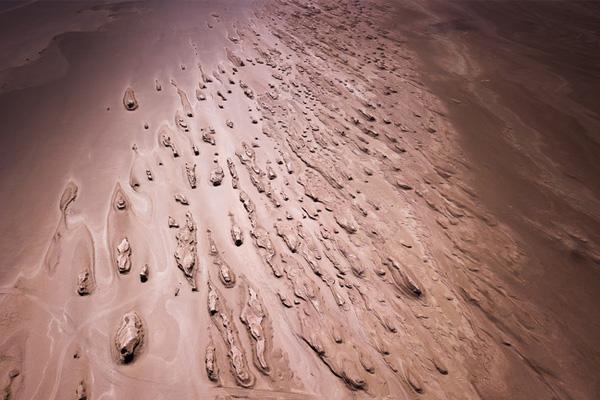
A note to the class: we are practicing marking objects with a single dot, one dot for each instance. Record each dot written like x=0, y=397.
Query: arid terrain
x=286, y=199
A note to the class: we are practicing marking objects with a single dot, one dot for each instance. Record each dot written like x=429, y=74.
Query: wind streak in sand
x=83, y=256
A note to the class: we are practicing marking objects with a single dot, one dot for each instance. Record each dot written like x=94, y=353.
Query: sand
x=292, y=200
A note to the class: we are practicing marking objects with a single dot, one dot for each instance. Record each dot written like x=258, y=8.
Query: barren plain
x=281, y=199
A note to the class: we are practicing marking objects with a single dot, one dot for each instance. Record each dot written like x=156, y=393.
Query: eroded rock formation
x=222, y=318
x=349, y=258
x=129, y=337
x=186, y=251
x=129, y=100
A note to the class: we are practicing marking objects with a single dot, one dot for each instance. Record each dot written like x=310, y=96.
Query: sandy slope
x=289, y=200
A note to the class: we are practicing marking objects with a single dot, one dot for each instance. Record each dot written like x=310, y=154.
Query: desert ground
x=286, y=199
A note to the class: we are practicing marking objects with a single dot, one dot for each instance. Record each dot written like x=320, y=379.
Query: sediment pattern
x=309, y=195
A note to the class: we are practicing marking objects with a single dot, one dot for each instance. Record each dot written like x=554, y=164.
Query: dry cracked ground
x=288, y=199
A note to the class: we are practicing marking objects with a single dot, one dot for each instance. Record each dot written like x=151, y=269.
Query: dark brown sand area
x=520, y=80
x=300, y=200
